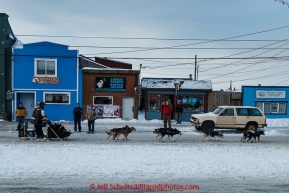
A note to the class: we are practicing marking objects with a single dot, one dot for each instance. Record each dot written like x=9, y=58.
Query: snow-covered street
x=73, y=165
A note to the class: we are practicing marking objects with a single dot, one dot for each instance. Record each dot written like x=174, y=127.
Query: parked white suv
x=230, y=117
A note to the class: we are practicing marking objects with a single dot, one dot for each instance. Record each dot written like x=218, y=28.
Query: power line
x=134, y=47
x=183, y=45
x=253, y=64
x=138, y=58
x=249, y=57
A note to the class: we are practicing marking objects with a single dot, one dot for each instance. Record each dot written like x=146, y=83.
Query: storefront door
x=127, y=108
x=28, y=100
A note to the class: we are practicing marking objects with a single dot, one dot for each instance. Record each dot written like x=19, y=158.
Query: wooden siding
x=89, y=82
x=218, y=98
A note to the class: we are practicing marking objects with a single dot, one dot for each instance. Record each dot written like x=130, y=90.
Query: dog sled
x=57, y=131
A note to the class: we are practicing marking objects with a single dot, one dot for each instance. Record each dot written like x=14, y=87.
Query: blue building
x=272, y=100
x=48, y=72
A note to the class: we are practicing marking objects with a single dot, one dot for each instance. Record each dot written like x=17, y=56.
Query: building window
x=45, y=67
x=57, y=98
x=192, y=102
x=272, y=107
x=103, y=100
x=154, y=103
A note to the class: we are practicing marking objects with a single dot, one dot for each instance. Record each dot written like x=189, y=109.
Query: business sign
x=45, y=80
x=113, y=84
x=270, y=94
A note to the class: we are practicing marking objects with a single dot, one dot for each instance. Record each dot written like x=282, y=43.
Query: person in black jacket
x=77, y=112
x=39, y=115
x=179, y=112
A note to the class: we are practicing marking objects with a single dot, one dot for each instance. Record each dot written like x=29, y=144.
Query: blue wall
x=67, y=70
x=24, y=65
x=249, y=98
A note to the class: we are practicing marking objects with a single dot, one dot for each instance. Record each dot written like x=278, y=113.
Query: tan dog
x=116, y=132
x=127, y=131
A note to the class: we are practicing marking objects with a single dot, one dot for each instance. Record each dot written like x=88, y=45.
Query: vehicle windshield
x=217, y=110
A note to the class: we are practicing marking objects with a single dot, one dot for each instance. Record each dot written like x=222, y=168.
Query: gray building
x=7, y=39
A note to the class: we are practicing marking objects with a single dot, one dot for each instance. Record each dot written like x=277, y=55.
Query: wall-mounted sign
x=270, y=94
x=111, y=111
x=106, y=110
x=113, y=84
x=45, y=80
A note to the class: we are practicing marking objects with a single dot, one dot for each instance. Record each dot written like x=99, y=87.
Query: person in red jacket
x=166, y=110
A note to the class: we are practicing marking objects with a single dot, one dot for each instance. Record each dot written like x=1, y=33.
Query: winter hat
x=20, y=103
x=41, y=103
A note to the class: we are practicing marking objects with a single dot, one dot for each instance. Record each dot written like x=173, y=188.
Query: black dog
x=250, y=135
x=214, y=134
x=161, y=132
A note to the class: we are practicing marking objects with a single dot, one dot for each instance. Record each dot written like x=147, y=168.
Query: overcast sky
x=165, y=35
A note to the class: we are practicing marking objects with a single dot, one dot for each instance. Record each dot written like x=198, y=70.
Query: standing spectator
x=77, y=112
x=179, y=112
x=91, y=116
x=20, y=113
x=39, y=114
x=170, y=104
x=166, y=110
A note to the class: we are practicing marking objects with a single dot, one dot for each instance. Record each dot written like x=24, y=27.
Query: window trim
x=158, y=102
x=278, y=106
x=102, y=96
x=44, y=75
x=69, y=102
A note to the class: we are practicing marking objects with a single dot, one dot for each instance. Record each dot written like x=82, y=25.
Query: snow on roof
x=92, y=61
x=170, y=83
x=18, y=44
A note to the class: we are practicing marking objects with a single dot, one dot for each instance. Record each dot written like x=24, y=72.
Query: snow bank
x=278, y=122
x=114, y=162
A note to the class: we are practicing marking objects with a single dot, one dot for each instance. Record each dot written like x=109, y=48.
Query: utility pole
x=198, y=72
x=139, y=79
x=139, y=86
x=230, y=94
x=195, y=75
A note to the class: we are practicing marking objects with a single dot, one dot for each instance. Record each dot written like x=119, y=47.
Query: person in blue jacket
x=77, y=113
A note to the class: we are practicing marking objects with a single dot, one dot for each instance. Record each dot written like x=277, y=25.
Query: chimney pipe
x=191, y=77
x=259, y=84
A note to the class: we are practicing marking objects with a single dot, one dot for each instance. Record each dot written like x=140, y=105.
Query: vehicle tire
x=208, y=127
x=251, y=127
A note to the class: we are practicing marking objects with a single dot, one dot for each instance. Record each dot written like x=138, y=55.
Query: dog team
x=115, y=133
